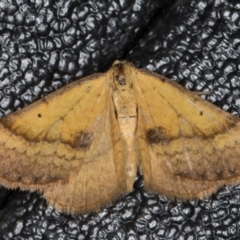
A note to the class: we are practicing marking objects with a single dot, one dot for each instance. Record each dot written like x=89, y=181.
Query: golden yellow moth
x=82, y=145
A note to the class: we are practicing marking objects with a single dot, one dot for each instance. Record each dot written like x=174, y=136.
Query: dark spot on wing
x=39, y=115
x=83, y=140
x=157, y=136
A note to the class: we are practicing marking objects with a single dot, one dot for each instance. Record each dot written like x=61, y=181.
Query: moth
x=83, y=144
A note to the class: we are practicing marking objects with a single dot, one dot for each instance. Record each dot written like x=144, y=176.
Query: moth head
x=121, y=76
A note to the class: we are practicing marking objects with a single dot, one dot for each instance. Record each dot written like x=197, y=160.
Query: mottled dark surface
x=46, y=44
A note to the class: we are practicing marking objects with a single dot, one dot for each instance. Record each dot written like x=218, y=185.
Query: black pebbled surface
x=46, y=44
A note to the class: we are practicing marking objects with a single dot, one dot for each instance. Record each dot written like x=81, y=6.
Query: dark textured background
x=47, y=44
